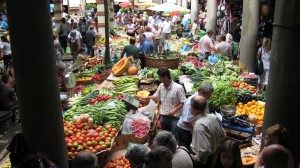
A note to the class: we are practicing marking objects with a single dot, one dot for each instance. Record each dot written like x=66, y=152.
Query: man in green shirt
x=131, y=50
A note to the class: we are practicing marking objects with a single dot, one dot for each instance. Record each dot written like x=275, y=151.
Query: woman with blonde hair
x=265, y=54
x=150, y=38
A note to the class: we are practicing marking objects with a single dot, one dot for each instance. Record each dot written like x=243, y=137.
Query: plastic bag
x=126, y=128
x=68, y=50
x=213, y=59
x=149, y=110
x=140, y=125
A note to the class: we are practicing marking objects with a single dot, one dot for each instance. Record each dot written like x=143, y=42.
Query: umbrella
x=169, y=9
x=126, y=4
x=147, y=4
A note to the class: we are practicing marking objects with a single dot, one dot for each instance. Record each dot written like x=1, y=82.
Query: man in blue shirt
x=183, y=130
x=144, y=49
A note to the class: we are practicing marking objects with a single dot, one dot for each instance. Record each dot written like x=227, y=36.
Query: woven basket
x=171, y=63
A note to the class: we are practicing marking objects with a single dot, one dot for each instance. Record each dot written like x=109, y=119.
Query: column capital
x=100, y=1
x=101, y=24
x=100, y=14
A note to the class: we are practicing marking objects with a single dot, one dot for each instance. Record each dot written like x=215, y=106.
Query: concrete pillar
x=184, y=3
x=211, y=16
x=282, y=103
x=58, y=12
x=179, y=2
x=101, y=17
x=82, y=6
x=250, y=21
x=194, y=10
x=111, y=13
x=36, y=78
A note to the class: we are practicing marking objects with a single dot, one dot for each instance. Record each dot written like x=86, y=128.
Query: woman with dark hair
x=85, y=159
x=228, y=156
x=181, y=157
x=5, y=49
x=278, y=134
x=130, y=27
x=137, y=155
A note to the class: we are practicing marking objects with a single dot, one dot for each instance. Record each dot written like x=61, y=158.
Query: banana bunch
x=6, y=165
x=185, y=41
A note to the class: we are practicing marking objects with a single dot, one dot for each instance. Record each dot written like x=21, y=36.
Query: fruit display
x=84, y=79
x=83, y=135
x=133, y=70
x=119, y=162
x=254, y=109
x=92, y=62
x=121, y=67
x=243, y=85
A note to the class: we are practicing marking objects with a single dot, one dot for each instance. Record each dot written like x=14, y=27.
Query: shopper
x=172, y=96
x=61, y=78
x=278, y=134
x=224, y=47
x=264, y=53
x=183, y=129
x=90, y=38
x=181, y=157
x=160, y=157
x=137, y=155
x=5, y=49
x=63, y=31
x=157, y=36
x=85, y=159
x=75, y=45
x=274, y=155
x=207, y=133
x=228, y=155
x=144, y=49
x=206, y=44
x=149, y=38
x=166, y=29
x=130, y=27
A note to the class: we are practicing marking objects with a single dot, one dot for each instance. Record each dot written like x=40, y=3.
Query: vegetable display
x=224, y=94
x=119, y=162
x=121, y=67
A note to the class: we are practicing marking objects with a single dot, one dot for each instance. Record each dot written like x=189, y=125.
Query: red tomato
x=91, y=148
x=94, y=143
x=113, y=133
x=74, y=139
x=84, y=146
x=98, y=148
x=98, y=129
x=98, y=139
x=81, y=138
x=69, y=145
x=88, y=139
x=109, y=129
x=80, y=142
x=79, y=126
x=73, y=149
x=110, y=135
x=114, y=129
x=75, y=153
x=105, y=134
x=70, y=154
x=89, y=143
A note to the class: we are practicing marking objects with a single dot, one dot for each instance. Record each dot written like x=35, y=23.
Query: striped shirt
x=170, y=97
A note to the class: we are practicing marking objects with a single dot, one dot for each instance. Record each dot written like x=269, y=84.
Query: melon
x=143, y=93
x=121, y=67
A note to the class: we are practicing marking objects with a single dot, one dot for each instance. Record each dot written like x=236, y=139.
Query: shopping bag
x=259, y=67
x=68, y=50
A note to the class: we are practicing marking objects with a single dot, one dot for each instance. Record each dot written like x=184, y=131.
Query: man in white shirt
x=157, y=36
x=207, y=133
x=171, y=96
x=167, y=26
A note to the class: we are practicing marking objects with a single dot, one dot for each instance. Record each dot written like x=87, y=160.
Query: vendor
x=131, y=50
x=80, y=60
x=171, y=96
x=61, y=77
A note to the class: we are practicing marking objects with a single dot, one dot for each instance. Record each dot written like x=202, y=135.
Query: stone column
x=111, y=13
x=184, y=3
x=36, y=78
x=194, y=10
x=250, y=23
x=211, y=16
x=282, y=92
x=58, y=12
x=82, y=6
x=101, y=17
x=179, y=2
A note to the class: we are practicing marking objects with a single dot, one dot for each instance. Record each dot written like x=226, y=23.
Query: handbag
x=259, y=67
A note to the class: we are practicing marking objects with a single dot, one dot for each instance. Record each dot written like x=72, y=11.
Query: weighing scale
x=238, y=128
x=131, y=102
